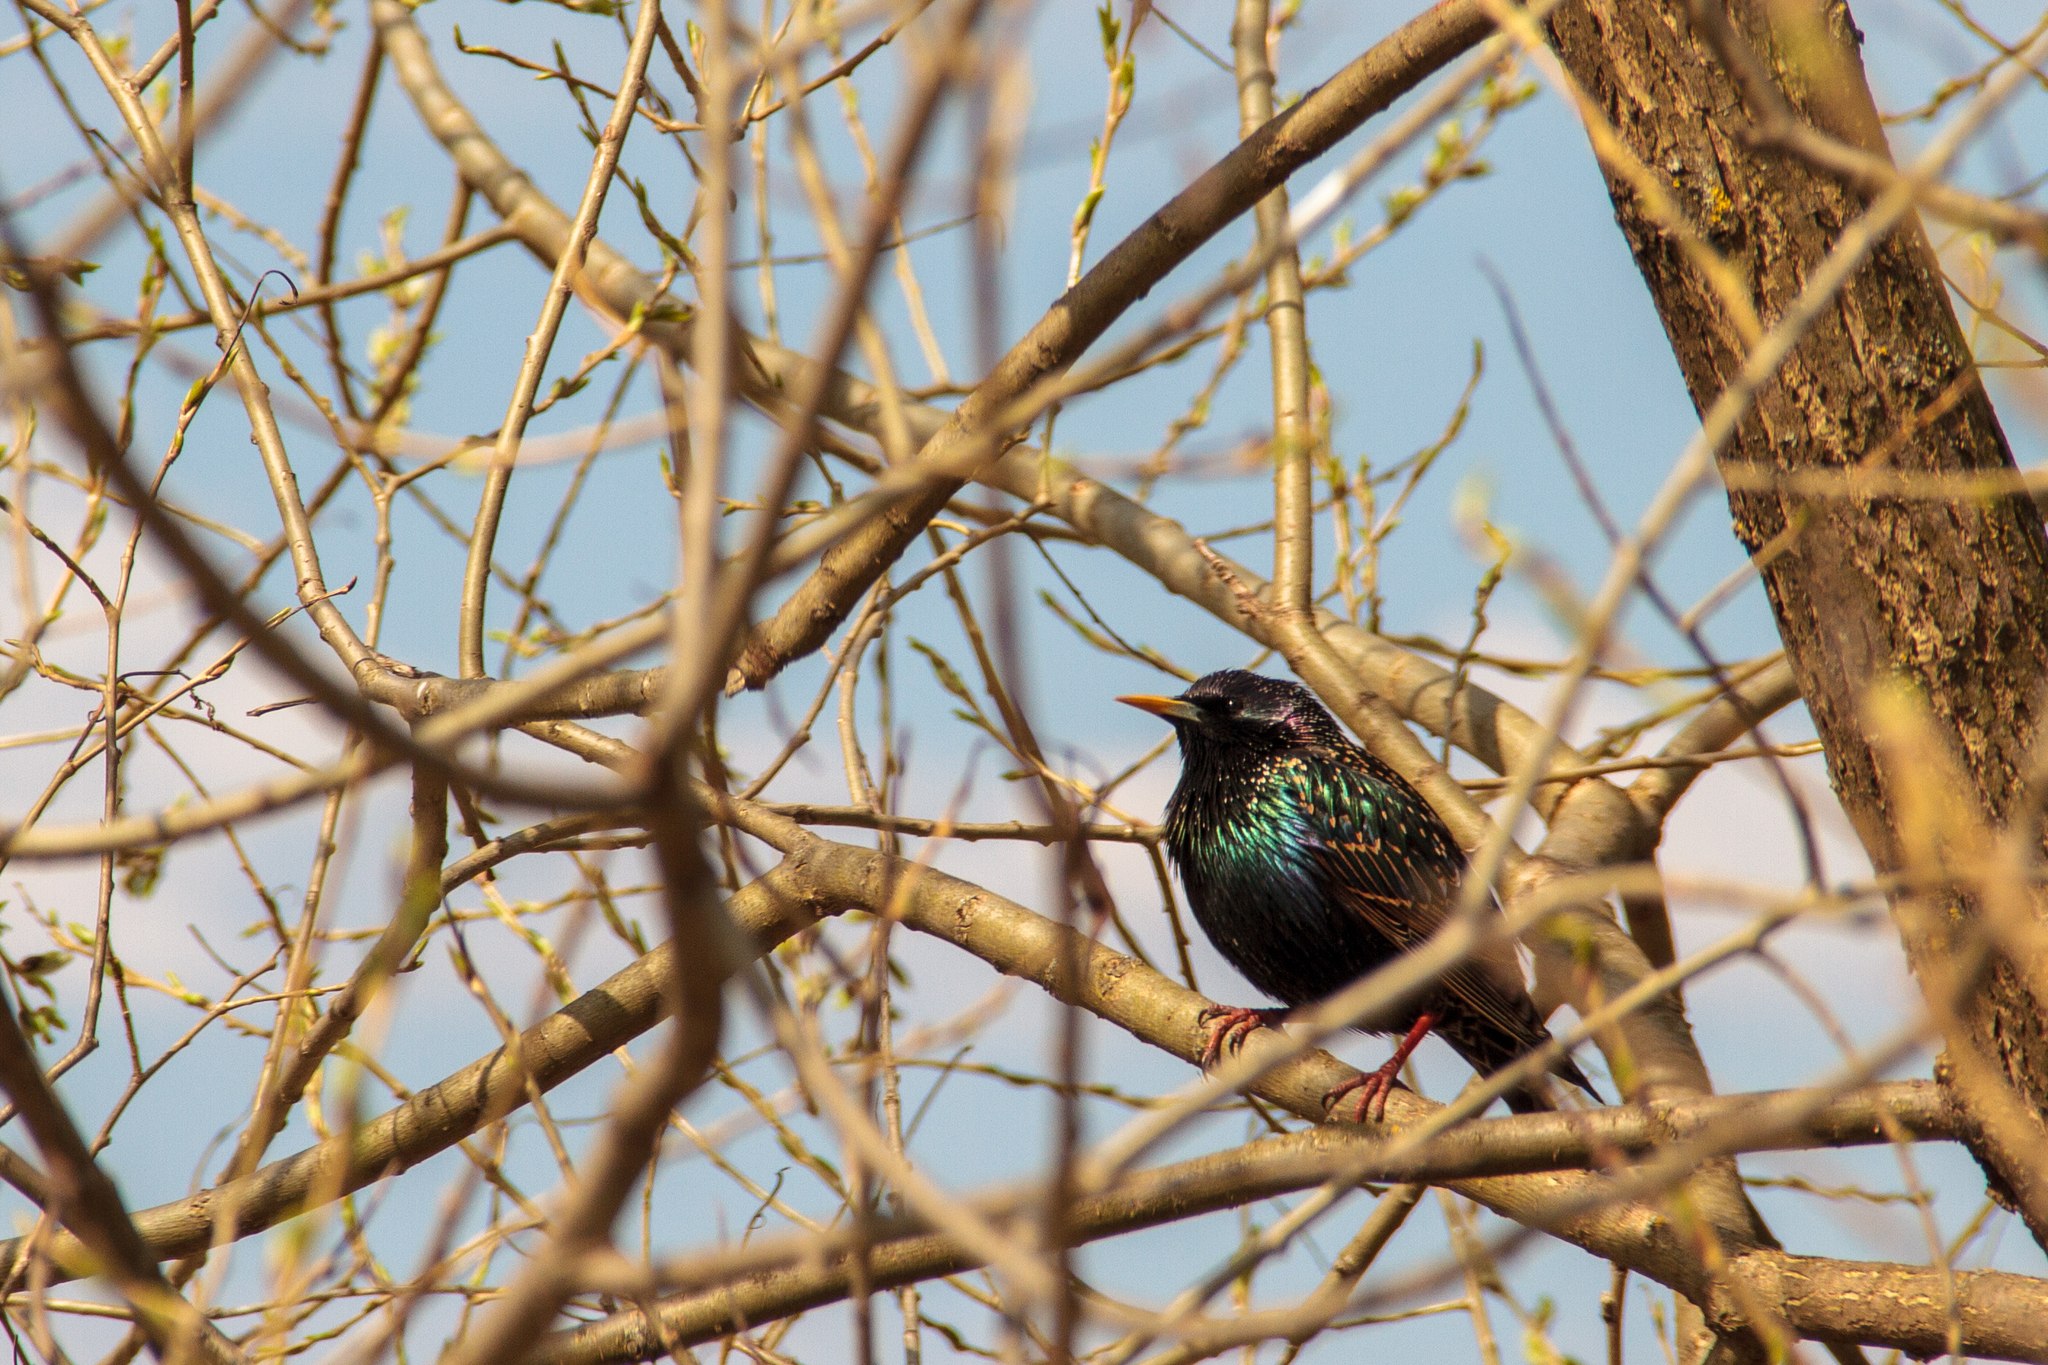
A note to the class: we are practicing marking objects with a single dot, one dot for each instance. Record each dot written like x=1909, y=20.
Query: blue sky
x=1396, y=350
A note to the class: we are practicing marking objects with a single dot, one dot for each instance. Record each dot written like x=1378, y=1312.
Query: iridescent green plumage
x=1309, y=863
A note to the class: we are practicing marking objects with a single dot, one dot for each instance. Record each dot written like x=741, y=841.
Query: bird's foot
x=1371, y=1090
x=1228, y=1026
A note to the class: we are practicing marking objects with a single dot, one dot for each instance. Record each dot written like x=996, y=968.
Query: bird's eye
x=1224, y=706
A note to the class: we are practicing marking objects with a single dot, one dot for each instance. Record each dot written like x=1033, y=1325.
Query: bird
x=1309, y=863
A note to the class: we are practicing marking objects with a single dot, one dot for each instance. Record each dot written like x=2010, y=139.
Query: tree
x=653, y=956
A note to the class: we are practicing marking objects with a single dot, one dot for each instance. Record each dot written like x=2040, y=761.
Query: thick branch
x=1014, y=940
x=1948, y=597
x=823, y=877
x=729, y=1289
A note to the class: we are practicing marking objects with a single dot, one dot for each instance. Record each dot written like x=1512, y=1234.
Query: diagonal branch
x=84, y=1199
x=1220, y=195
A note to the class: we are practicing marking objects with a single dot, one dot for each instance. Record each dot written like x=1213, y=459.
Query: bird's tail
x=1536, y=1097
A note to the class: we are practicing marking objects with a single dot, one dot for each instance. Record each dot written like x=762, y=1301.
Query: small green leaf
x=948, y=677
x=1111, y=31
x=41, y=964
x=140, y=868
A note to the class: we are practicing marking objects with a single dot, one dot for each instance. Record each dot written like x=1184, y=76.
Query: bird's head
x=1232, y=707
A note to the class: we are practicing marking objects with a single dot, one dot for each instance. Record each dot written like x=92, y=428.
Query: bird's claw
x=1227, y=1028
x=1372, y=1091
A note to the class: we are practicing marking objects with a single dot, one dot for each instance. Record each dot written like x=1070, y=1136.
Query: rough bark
x=1947, y=596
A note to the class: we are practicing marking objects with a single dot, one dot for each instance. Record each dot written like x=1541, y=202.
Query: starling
x=1309, y=863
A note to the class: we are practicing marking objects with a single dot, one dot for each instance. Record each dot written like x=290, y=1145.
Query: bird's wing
x=1383, y=854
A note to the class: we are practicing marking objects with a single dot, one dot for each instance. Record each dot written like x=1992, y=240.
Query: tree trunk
x=1946, y=596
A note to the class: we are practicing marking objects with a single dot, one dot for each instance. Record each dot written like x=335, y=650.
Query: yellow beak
x=1169, y=708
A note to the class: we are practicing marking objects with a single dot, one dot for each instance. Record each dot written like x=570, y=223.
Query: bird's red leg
x=1227, y=1027
x=1373, y=1089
